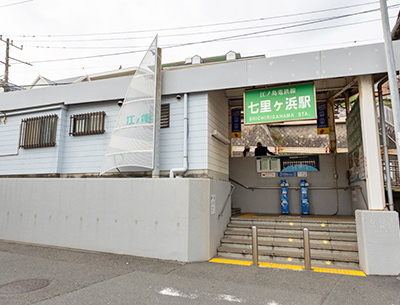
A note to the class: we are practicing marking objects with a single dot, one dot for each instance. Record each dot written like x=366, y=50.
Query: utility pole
x=7, y=60
x=391, y=67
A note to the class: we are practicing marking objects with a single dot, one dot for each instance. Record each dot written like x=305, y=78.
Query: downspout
x=385, y=146
x=185, y=141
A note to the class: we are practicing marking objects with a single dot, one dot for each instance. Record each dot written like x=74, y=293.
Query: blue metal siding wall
x=62, y=128
x=84, y=154
x=9, y=135
x=172, y=137
x=28, y=161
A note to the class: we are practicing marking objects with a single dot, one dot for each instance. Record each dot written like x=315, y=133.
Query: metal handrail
x=226, y=201
x=354, y=187
x=290, y=187
x=393, y=169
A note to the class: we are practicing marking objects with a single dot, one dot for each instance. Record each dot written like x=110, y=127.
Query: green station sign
x=280, y=104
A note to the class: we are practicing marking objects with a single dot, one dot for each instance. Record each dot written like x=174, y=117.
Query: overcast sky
x=54, y=33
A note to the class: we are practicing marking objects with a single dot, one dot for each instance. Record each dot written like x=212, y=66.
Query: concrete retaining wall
x=158, y=218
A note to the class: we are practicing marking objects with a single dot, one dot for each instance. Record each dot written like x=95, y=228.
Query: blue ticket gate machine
x=305, y=206
x=284, y=197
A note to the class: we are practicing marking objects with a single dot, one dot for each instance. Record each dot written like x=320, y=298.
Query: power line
x=83, y=48
x=16, y=3
x=186, y=34
x=171, y=35
x=266, y=31
x=322, y=45
x=200, y=26
x=134, y=47
x=238, y=36
x=180, y=34
x=83, y=68
x=88, y=57
x=274, y=50
x=315, y=29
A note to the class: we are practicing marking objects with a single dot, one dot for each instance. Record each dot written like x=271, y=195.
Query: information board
x=236, y=123
x=322, y=118
x=300, y=163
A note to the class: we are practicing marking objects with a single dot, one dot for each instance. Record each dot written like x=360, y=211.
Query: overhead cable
x=202, y=25
x=16, y=3
x=226, y=38
x=178, y=34
x=274, y=34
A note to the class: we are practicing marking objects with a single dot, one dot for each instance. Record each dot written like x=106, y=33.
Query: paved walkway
x=97, y=278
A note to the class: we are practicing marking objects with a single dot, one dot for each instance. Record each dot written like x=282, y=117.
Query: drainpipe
x=185, y=141
x=385, y=146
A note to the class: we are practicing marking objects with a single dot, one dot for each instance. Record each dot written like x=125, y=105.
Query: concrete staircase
x=280, y=240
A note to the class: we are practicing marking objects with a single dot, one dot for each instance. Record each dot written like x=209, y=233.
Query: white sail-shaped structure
x=131, y=146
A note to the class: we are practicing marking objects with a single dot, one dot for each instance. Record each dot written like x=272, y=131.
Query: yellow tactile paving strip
x=247, y=215
x=339, y=271
x=280, y=266
x=254, y=215
x=230, y=261
x=284, y=266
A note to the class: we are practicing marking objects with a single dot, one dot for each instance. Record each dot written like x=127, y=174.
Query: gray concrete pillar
x=378, y=242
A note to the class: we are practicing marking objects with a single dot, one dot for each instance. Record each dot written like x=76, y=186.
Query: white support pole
x=391, y=67
x=157, y=118
x=371, y=146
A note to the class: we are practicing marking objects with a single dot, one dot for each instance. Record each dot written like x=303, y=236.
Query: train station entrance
x=321, y=168
x=315, y=162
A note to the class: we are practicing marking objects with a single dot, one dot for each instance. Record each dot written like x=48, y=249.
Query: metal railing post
x=307, y=253
x=254, y=245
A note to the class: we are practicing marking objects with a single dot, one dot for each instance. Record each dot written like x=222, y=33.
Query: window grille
x=164, y=123
x=38, y=132
x=87, y=123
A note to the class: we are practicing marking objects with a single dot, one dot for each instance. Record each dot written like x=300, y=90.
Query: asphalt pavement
x=76, y=277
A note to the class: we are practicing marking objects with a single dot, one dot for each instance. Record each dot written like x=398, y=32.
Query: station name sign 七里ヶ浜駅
x=280, y=104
